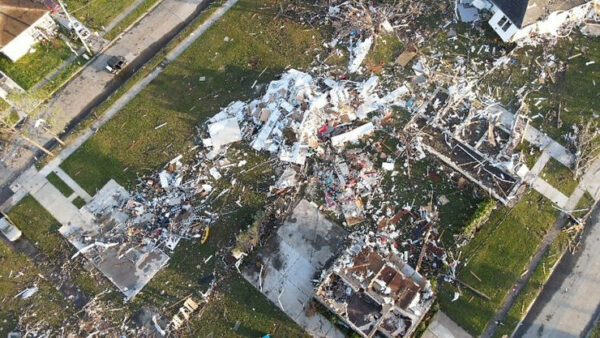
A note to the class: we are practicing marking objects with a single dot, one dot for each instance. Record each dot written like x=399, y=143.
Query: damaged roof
x=523, y=13
x=16, y=16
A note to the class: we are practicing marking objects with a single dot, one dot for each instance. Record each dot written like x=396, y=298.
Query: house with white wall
x=513, y=20
x=23, y=23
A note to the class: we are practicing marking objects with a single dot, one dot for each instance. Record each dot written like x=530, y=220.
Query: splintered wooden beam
x=424, y=248
x=475, y=291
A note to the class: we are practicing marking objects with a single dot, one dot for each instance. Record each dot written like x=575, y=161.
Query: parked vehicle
x=8, y=230
x=115, y=64
x=78, y=27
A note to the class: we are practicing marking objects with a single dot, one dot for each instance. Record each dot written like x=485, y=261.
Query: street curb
x=120, y=35
x=512, y=334
x=545, y=282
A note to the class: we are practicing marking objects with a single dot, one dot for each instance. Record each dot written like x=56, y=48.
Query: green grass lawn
x=583, y=206
x=4, y=105
x=559, y=176
x=16, y=274
x=59, y=184
x=238, y=301
x=595, y=333
x=129, y=144
x=79, y=202
x=97, y=13
x=498, y=254
x=534, y=286
x=40, y=228
x=177, y=98
x=529, y=152
x=426, y=177
x=130, y=18
x=61, y=78
x=572, y=92
x=384, y=51
x=31, y=68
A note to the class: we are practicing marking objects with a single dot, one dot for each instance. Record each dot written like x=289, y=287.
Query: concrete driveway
x=301, y=248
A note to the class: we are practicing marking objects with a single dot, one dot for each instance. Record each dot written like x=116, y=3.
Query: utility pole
x=76, y=31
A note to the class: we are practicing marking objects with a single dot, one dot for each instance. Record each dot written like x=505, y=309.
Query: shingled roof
x=523, y=13
x=16, y=16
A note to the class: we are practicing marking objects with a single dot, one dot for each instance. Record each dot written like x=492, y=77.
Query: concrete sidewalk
x=442, y=326
x=94, y=83
x=30, y=176
x=72, y=184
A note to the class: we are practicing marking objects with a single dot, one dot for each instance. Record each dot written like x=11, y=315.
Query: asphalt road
x=569, y=302
x=94, y=84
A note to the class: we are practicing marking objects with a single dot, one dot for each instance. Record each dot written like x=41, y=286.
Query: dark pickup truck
x=115, y=64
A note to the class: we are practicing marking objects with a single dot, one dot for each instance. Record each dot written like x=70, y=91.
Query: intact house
x=23, y=23
x=517, y=19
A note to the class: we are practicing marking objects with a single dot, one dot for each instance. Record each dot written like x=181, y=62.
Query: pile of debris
x=375, y=291
x=300, y=116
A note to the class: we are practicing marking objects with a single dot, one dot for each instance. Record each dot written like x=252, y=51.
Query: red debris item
x=51, y=6
x=342, y=76
x=323, y=128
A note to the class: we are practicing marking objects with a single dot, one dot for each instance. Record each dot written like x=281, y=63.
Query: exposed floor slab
x=443, y=327
x=299, y=250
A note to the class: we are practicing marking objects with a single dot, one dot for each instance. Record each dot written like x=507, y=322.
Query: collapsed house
x=477, y=142
x=300, y=116
x=375, y=291
x=514, y=20
x=126, y=234
x=109, y=241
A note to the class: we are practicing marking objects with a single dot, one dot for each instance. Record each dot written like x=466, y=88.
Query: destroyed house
x=515, y=19
x=376, y=293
